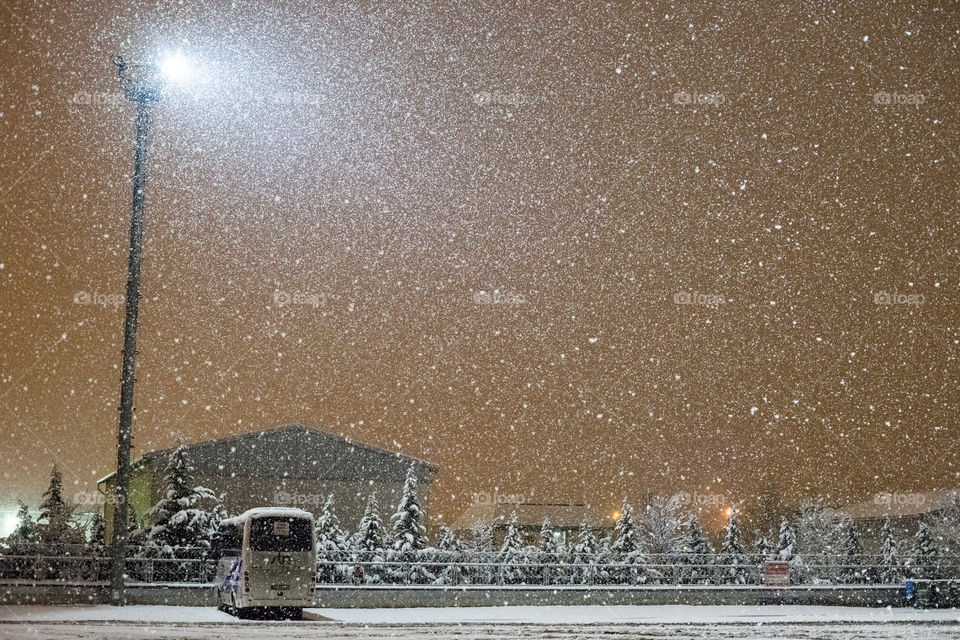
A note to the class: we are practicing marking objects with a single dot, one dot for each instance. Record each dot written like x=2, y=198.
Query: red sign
x=776, y=573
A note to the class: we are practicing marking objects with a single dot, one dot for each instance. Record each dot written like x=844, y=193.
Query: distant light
x=616, y=515
x=728, y=511
x=177, y=68
x=8, y=523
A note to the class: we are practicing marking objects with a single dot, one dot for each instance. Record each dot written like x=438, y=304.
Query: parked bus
x=266, y=562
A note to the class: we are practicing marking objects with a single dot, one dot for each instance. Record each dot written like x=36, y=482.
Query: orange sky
x=390, y=161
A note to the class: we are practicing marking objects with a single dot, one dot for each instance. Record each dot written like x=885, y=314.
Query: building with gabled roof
x=292, y=465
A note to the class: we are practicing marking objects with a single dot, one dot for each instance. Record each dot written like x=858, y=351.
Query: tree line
x=658, y=543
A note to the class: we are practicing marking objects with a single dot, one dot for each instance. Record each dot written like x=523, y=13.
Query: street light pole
x=137, y=89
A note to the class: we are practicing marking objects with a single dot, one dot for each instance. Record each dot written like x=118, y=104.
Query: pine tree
x=547, y=544
x=786, y=541
x=481, y=552
x=852, y=571
x=449, y=551
x=53, y=508
x=409, y=532
x=512, y=556
x=181, y=521
x=331, y=545
x=817, y=537
x=626, y=549
x=891, y=571
x=448, y=542
x=98, y=529
x=369, y=542
x=604, y=560
x=54, y=524
x=924, y=560
x=584, y=556
x=547, y=554
x=732, y=559
x=626, y=537
x=696, y=551
x=762, y=548
x=136, y=535
x=370, y=533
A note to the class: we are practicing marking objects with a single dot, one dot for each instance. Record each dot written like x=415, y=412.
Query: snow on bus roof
x=268, y=512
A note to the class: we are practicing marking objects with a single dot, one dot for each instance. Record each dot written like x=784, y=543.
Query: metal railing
x=85, y=565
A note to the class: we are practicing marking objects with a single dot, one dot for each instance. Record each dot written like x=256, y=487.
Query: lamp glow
x=8, y=524
x=175, y=67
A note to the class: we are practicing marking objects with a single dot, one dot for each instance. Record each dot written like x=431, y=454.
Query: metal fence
x=89, y=565
x=533, y=568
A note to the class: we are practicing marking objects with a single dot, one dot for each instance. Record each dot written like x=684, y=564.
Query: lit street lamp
x=142, y=85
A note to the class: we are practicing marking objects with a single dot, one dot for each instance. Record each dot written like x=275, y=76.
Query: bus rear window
x=280, y=534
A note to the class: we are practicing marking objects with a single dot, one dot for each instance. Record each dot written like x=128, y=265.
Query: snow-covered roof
x=292, y=437
x=267, y=512
x=564, y=516
x=901, y=505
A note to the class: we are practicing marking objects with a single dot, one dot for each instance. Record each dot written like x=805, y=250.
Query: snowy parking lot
x=489, y=623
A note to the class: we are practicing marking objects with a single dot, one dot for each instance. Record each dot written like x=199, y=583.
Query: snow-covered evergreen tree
x=605, y=572
x=626, y=536
x=891, y=569
x=369, y=542
x=924, y=559
x=409, y=535
x=513, y=556
x=449, y=550
x=852, y=570
x=818, y=542
x=182, y=518
x=409, y=531
x=626, y=549
x=332, y=565
x=136, y=535
x=732, y=561
x=762, y=548
x=370, y=534
x=54, y=524
x=696, y=552
x=548, y=554
x=546, y=544
x=786, y=540
x=583, y=556
x=481, y=552
x=98, y=529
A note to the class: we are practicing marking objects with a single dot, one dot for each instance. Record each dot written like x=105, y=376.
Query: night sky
x=488, y=218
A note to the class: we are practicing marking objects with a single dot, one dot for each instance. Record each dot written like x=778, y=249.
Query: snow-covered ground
x=489, y=623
